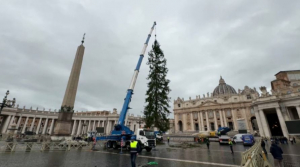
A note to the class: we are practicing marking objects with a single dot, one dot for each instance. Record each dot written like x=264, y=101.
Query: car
x=238, y=138
x=248, y=139
x=224, y=139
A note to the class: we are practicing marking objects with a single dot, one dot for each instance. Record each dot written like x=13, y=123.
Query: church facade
x=243, y=109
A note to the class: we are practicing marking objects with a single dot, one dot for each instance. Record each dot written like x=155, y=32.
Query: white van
x=238, y=138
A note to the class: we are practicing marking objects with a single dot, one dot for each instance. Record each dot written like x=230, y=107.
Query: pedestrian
x=285, y=140
x=168, y=139
x=276, y=152
x=231, y=144
x=294, y=140
x=134, y=150
x=263, y=145
x=291, y=140
x=94, y=143
x=207, y=143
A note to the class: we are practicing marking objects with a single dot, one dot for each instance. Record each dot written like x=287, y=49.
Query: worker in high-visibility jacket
x=230, y=144
x=134, y=150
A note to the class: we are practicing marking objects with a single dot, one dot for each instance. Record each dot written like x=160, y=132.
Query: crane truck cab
x=146, y=138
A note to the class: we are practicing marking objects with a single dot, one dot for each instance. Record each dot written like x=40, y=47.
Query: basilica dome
x=223, y=89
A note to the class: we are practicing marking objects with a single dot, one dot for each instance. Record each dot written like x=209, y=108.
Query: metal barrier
x=255, y=157
x=45, y=146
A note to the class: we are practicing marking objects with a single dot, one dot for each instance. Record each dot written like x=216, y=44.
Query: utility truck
x=121, y=134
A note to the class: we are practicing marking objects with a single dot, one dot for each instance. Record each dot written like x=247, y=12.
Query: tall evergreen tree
x=157, y=100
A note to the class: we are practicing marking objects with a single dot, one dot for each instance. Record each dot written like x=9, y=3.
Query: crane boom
x=133, y=81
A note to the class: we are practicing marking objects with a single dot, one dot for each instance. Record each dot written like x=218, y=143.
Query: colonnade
x=201, y=115
x=263, y=125
x=45, y=124
x=82, y=126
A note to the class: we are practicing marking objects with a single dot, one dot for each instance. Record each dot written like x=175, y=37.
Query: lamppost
x=4, y=101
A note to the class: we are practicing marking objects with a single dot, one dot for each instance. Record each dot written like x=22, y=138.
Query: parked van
x=238, y=138
x=248, y=139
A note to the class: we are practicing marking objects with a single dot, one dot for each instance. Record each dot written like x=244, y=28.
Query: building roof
x=223, y=88
x=287, y=71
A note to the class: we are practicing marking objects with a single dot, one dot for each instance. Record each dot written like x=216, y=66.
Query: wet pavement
x=165, y=156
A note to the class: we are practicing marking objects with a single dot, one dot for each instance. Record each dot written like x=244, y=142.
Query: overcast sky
x=246, y=42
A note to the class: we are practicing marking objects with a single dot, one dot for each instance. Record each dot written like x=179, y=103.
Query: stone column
x=108, y=126
x=12, y=121
x=202, y=124
x=264, y=123
x=260, y=126
x=98, y=123
x=32, y=124
x=18, y=124
x=79, y=128
x=94, y=126
x=7, y=121
x=24, y=127
x=38, y=127
x=184, y=125
x=225, y=119
x=199, y=122
x=234, y=120
x=74, y=127
x=45, y=126
x=216, y=122
x=192, y=122
x=176, y=122
x=282, y=123
x=89, y=127
x=221, y=118
x=298, y=110
x=51, y=127
x=246, y=119
x=207, y=122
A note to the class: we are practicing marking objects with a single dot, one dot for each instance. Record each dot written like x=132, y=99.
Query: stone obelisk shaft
x=70, y=94
x=64, y=123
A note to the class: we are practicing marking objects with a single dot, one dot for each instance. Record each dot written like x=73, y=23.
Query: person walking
x=230, y=145
x=294, y=139
x=134, y=150
x=207, y=143
x=94, y=143
x=276, y=152
x=168, y=139
x=263, y=145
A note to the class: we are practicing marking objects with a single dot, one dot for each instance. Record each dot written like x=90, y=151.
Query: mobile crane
x=121, y=135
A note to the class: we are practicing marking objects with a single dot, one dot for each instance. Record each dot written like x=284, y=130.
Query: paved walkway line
x=178, y=160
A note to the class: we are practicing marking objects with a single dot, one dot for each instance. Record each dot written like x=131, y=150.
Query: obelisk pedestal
x=63, y=125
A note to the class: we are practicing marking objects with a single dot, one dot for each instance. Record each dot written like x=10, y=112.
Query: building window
x=178, y=105
x=248, y=96
x=289, y=92
x=215, y=100
x=210, y=114
x=228, y=113
x=195, y=115
x=295, y=84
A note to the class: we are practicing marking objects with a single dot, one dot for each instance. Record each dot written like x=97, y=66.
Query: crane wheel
x=115, y=145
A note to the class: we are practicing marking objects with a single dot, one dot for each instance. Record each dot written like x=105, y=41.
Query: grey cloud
x=244, y=41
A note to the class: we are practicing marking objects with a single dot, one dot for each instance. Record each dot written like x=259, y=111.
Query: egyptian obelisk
x=64, y=122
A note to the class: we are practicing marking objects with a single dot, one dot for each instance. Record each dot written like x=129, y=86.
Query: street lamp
x=4, y=101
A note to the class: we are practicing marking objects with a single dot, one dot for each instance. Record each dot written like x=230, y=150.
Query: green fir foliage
x=157, y=100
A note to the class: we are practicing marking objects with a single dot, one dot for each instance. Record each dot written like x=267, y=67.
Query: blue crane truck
x=121, y=134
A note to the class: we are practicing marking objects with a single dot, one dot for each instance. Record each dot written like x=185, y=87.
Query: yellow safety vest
x=133, y=144
x=168, y=137
x=230, y=143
